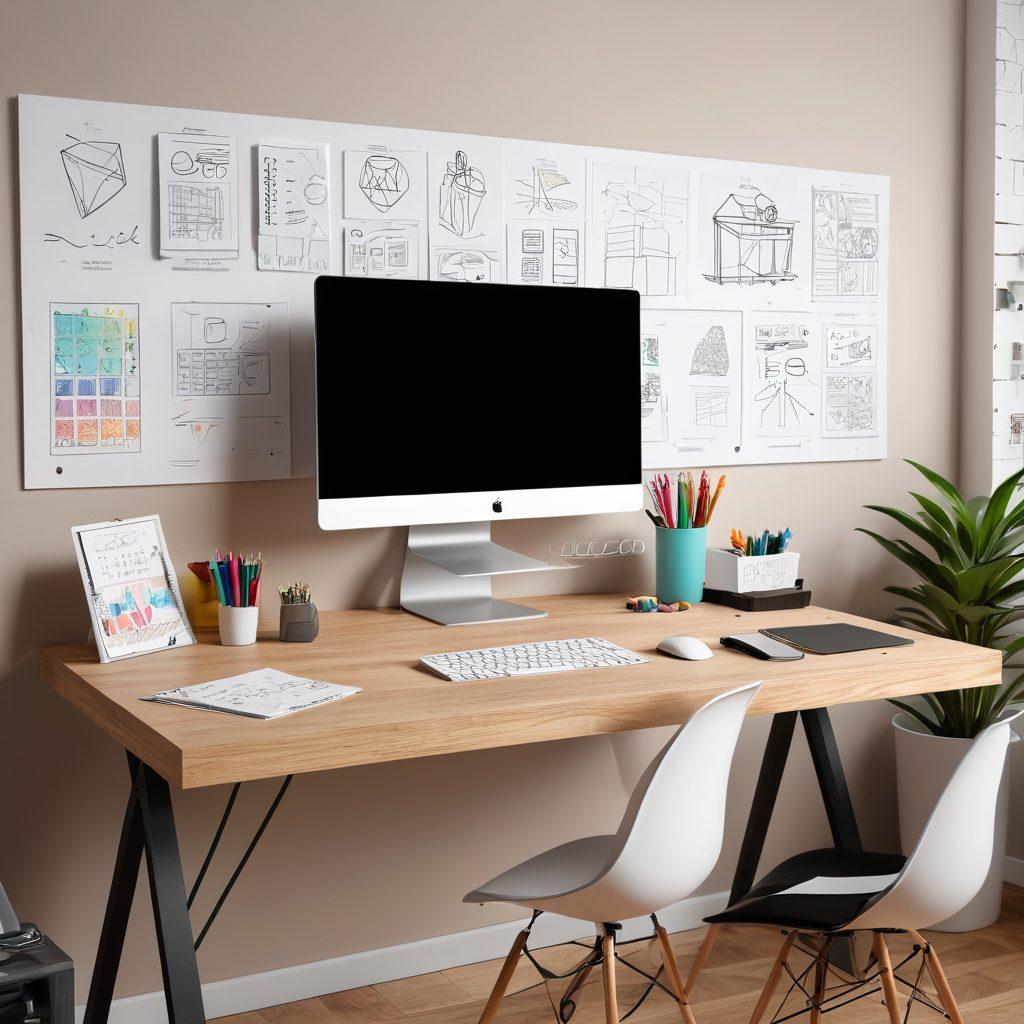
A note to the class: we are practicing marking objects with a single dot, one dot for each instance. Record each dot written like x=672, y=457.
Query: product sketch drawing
x=198, y=195
x=639, y=218
x=545, y=182
x=383, y=248
x=294, y=207
x=1016, y=429
x=850, y=345
x=95, y=173
x=690, y=385
x=752, y=241
x=230, y=396
x=451, y=263
x=783, y=359
x=545, y=253
x=850, y=405
x=383, y=182
x=844, y=255
x=95, y=384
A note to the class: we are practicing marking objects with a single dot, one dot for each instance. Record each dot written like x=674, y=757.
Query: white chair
x=824, y=896
x=667, y=844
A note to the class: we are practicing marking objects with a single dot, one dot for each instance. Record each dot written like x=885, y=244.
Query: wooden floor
x=985, y=969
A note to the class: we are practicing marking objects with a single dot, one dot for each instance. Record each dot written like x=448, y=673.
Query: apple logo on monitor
x=497, y=505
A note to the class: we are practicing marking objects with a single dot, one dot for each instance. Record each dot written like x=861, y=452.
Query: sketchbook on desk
x=263, y=693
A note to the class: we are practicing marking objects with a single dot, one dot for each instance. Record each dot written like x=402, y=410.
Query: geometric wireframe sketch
x=751, y=244
x=383, y=180
x=711, y=356
x=711, y=407
x=95, y=173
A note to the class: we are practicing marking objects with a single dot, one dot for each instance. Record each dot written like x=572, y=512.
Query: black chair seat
x=820, y=912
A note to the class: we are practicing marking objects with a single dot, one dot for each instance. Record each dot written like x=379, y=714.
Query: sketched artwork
x=131, y=588
x=541, y=252
x=95, y=172
x=850, y=404
x=383, y=248
x=784, y=376
x=198, y=177
x=95, y=386
x=382, y=182
x=545, y=182
x=845, y=248
x=295, y=207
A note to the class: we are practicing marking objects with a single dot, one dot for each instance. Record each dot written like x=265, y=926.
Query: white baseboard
x=304, y=981
x=1013, y=871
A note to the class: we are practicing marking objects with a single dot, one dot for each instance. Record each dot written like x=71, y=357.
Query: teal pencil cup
x=680, y=557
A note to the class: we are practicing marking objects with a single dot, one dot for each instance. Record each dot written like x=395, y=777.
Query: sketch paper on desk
x=639, y=228
x=95, y=379
x=850, y=343
x=783, y=357
x=544, y=181
x=541, y=252
x=690, y=386
x=845, y=230
x=850, y=405
x=748, y=236
x=294, y=207
x=383, y=248
x=383, y=182
x=454, y=263
x=198, y=198
x=131, y=588
x=231, y=396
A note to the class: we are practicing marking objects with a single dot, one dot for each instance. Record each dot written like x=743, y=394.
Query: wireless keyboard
x=530, y=659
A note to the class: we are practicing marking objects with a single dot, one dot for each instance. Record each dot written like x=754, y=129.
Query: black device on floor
x=834, y=638
x=760, y=646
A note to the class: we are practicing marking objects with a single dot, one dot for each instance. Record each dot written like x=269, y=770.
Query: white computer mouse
x=687, y=647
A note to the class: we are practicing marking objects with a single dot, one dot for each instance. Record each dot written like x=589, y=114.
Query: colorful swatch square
x=110, y=386
x=132, y=429
x=132, y=407
x=110, y=407
x=86, y=386
x=64, y=430
x=111, y=430
x=87, y=432
x=63, y=407
x=87, y=407
x=62, y=386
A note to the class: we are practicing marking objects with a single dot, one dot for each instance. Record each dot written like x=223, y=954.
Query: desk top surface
x=405, y=711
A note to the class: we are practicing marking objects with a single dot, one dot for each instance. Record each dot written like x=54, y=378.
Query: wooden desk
x=407, y=712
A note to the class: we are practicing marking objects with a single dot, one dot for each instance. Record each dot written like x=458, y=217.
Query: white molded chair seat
x=667, y=843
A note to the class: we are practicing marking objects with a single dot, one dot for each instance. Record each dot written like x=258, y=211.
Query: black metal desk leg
x=831, y=779
x=119, y=905
x=170, y=910
x=776, y=753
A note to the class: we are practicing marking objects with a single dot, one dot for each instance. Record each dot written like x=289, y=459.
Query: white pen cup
x=237, y=625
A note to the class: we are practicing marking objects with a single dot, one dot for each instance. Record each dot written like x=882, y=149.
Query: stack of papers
x=264, y=693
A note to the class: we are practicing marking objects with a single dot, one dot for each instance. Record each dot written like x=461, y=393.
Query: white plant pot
x=924, y=764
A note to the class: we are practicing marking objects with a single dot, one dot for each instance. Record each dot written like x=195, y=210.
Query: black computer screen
x=433, y=387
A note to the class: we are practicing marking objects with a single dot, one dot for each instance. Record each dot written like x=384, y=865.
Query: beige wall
x=875, y=87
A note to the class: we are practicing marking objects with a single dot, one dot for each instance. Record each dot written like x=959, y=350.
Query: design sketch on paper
x=198, y=195
x=711, y=356
x=473, y=265
x=543, y=190
x=545, y=253
x=751, y=244
x=95, y=403
x=380, y=181
x=653, y=412
x=642, y=217
x=221, y=349
x=844, y=256
x=462, y=190
x=710, y=407
x=382, y=248
x=295, y=208
x=786, y=363
x=1016, y=429
x=849, y=403
x=850, y=345
x=95, y=172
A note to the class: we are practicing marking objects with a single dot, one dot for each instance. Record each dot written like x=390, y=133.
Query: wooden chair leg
x=939, y=979
x=820, y=975
x=611, y=1002
x=773, y=979
x=508, y=968
x=702, y=957
x=885, y=976
x=668, y=958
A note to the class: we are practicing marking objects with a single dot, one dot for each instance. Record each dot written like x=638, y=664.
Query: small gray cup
x=299, y=622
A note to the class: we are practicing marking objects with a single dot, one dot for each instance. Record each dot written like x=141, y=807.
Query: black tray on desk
x=761, y=600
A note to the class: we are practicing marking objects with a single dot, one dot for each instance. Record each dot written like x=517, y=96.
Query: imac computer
x=443, y=406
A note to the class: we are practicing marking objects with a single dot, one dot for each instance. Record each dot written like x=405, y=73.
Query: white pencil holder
x=237, y=625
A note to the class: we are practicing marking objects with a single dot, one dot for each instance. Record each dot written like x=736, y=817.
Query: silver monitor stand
x=448, y=570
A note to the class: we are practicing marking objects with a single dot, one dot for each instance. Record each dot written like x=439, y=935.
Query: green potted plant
x=969, y=583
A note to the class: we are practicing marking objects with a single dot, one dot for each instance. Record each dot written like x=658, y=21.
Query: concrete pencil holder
x=680, y=558
x=237, y=625
x=299, y=622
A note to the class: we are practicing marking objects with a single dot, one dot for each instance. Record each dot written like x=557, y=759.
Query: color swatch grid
x=96, y=399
